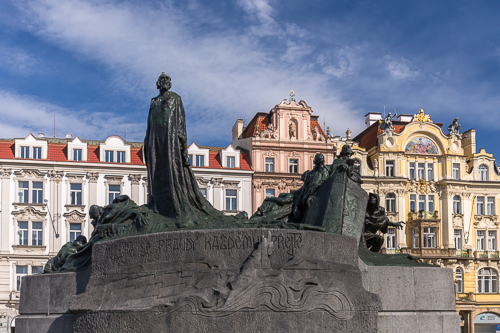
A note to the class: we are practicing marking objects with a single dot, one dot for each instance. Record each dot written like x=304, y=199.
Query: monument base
x=231, y=280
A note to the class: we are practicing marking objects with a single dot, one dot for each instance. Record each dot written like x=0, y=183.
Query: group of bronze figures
x=327, y=201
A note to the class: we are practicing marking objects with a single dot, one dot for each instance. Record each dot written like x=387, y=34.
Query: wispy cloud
x=342, y=62
x=400, y=69
x=18, y=61
x=222, y=76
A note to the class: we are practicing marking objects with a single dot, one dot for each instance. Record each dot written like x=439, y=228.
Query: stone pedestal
x=235, y=280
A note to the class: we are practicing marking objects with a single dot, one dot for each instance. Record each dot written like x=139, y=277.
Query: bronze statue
x=173, y=189
x=376, y=220
x=56, y=264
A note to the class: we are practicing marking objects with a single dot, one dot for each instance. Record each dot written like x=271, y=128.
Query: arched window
x=483, y=172
x=457, y=205
x=459, y=278
x=390, y=202
x=487, y=281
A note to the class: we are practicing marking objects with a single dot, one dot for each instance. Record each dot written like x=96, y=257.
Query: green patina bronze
x=331, y=199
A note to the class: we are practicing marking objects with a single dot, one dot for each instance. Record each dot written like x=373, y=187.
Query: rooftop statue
x=454, y=128
x=386, y=124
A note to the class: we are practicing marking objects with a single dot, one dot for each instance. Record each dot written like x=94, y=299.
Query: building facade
x=448, y=193
x=47, y=186
x=282, y=144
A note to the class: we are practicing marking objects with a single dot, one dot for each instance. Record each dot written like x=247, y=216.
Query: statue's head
x=95, y=211
x=346, y=152
x=80, y=240
x=319, y=159
x=373, y=201
x=164, y=82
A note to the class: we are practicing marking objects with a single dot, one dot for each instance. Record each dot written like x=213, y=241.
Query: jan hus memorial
x=305, y=261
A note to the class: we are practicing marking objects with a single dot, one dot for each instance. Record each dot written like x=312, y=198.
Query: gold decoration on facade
x=422, y=186
x=421, y=116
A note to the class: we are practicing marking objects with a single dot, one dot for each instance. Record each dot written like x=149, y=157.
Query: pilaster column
x=217, y=185
x=136, y=180
x=56, y=209
x=93, y=178
x=5, y=214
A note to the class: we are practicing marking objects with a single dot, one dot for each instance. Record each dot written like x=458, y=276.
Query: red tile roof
x=214, y=159
x=136, y=155
x=6, y=149
x=93, y=154
x=57, y=152
x=368, y=138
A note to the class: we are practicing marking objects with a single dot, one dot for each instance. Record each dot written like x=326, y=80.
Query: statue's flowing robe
x=173, y=189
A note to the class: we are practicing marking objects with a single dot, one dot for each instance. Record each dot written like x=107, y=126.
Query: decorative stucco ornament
x=421, y=116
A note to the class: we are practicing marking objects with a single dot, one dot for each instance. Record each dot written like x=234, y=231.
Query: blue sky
x=94, y=64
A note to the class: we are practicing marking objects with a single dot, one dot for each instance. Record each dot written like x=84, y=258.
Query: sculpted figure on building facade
x=292, y=129
x=386, y=124
x=316, y=135
x=173, y=188
x=454, y=128
x=376, y=220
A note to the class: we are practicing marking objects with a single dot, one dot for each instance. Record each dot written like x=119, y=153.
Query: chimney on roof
x=41, y=135
x=372, y=117
x=405, y=118
x=237, y=129
x=68, y=136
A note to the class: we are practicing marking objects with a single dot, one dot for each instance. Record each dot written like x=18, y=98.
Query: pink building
x=282, y=145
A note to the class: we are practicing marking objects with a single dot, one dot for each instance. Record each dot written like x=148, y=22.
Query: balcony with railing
x=486, y=254
x=391, y=251
x=464, y=253
x=423, y=215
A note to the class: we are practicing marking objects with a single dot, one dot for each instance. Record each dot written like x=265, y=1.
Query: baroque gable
x=29, y=213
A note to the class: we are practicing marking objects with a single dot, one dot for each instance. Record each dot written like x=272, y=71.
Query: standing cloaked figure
x=172, y=186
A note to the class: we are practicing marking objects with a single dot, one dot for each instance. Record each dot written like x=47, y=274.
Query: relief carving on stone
x=75, y=217
x=6, y=172
x=56, y=175
x=113, y=179
x=257, y=184
x=202, y=181
x=75, y=177
x=135, y=178
x=486, y=220
x=269, y=133
x=33, y=174
x=93, y=177
x=231, y=183
x=29, y=213
x=458, y=221
x=217, y=182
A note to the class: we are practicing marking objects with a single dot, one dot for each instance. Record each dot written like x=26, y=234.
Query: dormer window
x=230, y=161
x=200, y=160
x=77, y=155
x=25, y=152
x=115, y=150
x=120, y=157
x=109, y=156
x=198, y=157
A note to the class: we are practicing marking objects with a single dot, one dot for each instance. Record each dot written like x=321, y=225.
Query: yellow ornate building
x=448, y=195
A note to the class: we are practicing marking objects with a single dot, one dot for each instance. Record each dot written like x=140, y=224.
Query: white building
x=47, y=186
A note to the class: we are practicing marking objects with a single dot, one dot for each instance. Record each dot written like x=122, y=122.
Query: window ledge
x=73, y=207
x=22, y=204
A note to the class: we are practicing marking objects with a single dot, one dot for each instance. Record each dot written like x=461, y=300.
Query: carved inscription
x=177, y=244
x=225, y=242
x=290, y=242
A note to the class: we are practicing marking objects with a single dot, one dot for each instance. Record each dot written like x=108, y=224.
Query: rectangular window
x=415, y=238
x=429, y=237
x=77, y=154
x=37, y=192
x=113, y=192
x=413, y=199
x=430, y=171
x=458, y=239
x=391, y=238
x=36, y=233
x=200, y=160
x=457, y=205
x=37, y=153
x=231, y=200
x=390, y=202
x=421, y=202
x=270, y=193
x=294, y=165
x=456, y=170
x=430, y=203
x=190, y=157
x=25, y=152
x=490, y=206
x=230, y=161
x=421, y=170
x=480, y=206
x=36, y=270
x=20, y=272
x=75, y=194
x=203, y=192
x=480, y=240
x=22, y=192
x=75, y=230
x=492, y=240
x=269, y=164
x=109, y=156
x=389, y=168
x=412, y=170
x=22, y=231
x=120, y=157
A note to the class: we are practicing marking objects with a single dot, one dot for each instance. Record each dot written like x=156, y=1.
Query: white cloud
x=345, y=62
x=401, y=69
x=22, y=114
x=18, y=61
x=221, y=76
